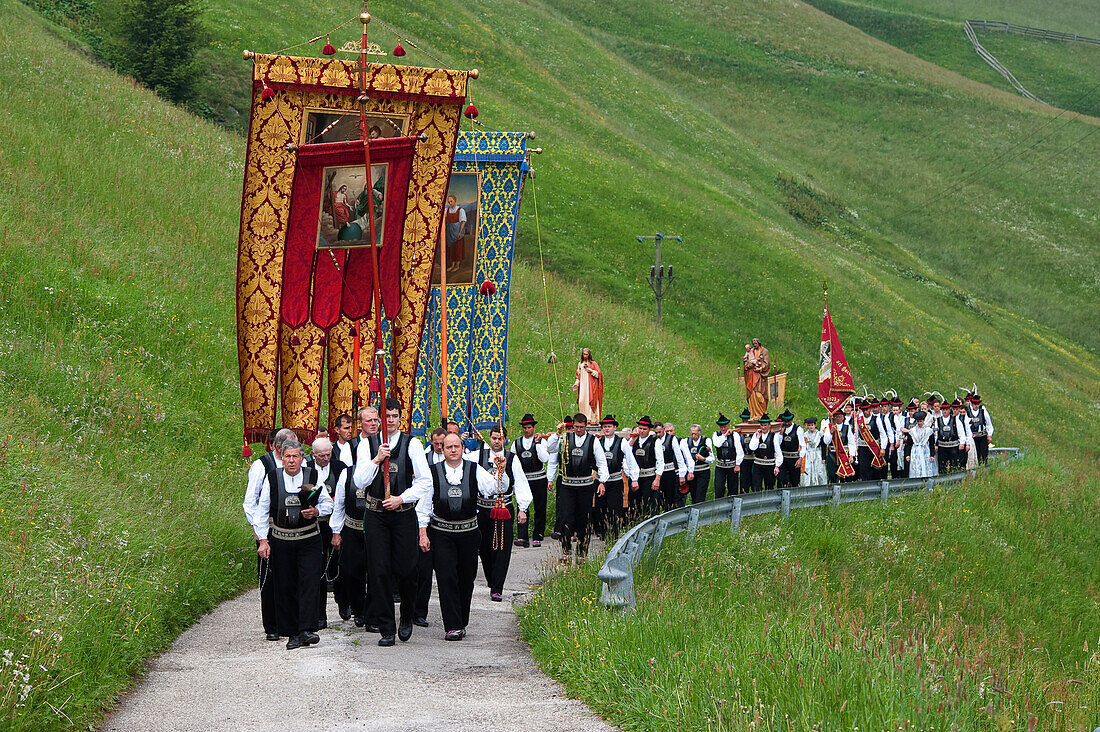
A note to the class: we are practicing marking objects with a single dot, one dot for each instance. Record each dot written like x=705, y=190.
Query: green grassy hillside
x=119, y=410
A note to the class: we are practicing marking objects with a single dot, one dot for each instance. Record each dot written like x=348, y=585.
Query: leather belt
x=350, y=523
x=483, y=502
x=295, y=534
x=453, y=527
x=647, y=472
x=375, y=504
x=535, y=476
x=726, y=464
x=575, y=481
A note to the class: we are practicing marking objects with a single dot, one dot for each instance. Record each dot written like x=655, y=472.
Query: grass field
x=119, y=408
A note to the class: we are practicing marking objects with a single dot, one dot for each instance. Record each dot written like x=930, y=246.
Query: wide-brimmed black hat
x=645, y=422
x=787, y=416
x=746, y=415
x=764, y=419
x=609, y=419
x=722, y=419
x=528, y=419
x=568, y=419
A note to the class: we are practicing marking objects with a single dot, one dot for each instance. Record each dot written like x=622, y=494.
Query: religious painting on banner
x=460, y=218
x=331, y=125
x=344, y=219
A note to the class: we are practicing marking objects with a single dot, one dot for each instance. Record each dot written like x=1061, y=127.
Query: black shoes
x=273, y=636
x=360, y=622
x=521, y=542
x=386, y=640
x=372, y=629
x=421, y=622
x=294, y=642
x=345, y=613
x=404, y=630
x=453, y=635
x=322, y=625
x=308, y=638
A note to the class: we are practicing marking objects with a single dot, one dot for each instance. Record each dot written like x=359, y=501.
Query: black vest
x=789, y=443
x=268, y=461
x=455, y=502
x=646, y=455
x=613, y=454
x=670, y=453
x=335, y=467
x=529, y=457
x=354, y=442
x=947, y=433
x=700, y=449
x=401, y=468
x=726, y=452
x=977, y=422
x=765, y=449
x=484, y=454
x=745, y=440
x=285, y=508
x=581, y=461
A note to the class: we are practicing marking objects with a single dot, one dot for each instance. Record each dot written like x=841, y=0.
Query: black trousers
x=699, y=485
x=392, y=539
x=424, y=564
x=613, y=500
x=645, y=501
x=557, y=506
x=267, y=594
x=495, y=562
x=981, y=444
x=746, y=474
x=831, y=466
x=865, y=470
x=454, y=557
x=598, y=519
x=575, y=504
x=790, y=475
x=725, y=482
x=948, y=458
x=763, y=477
x=536, y=520
x=670, y=490
x=330, y=565
x=295, y=567
x=353, y=570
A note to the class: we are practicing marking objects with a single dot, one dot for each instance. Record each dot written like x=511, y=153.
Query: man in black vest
x=346, y=523
x=949, y=438
x=727, y=458
x=675, y=472
x=622, y=471
x=264, y=468
x=846, y=438
x=286, y=522
x=331, y=475
x=698, y=451
x=746, y=472
x=509, y=482
x=582, y=460
x=433, y=453
x=452, y=536
x=391, y=523
x=342, y=450
x=535, y=452
x=981, y=426
x=865, y=454
x=791, y=444
x=767, y=457
x=555, y=479
x=650, y=460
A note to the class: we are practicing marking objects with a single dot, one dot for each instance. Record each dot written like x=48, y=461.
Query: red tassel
x=500, y=512
x=488, y=287
x=398, y=50
x=471, y=111
x=246, y=452
x=267, y=93
x=375, y=385
x=329, y=50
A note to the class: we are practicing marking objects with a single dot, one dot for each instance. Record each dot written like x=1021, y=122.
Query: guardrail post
x=618, y=586
x=885, y=491
x=929, y=485
x=693, y=524
x=659, y=535
x=836, y=495
x=785, y=503
x=735, y=516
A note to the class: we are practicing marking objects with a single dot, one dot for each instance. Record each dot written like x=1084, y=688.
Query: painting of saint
x=344, y=219
x=460, y=218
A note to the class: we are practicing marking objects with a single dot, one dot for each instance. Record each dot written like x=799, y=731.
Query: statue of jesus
x=757, y=365
x=589, y=387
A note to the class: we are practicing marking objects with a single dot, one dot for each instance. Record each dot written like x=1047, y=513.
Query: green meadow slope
x=120, y=471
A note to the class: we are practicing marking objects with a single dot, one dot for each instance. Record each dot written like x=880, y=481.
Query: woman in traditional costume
x=813, y=469
x=922, y=459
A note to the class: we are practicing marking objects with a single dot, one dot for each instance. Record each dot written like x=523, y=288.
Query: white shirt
x=630, y=465
x=799, y=434
x=292, y=484
x=755, y=443
x=987, y=421
x=434, y=457
x=486, y=483
x=256, y=477
x=422, y=486
x=522, y=487
x=553, y=453
x=718, y=439
x=343, y=453
x=680, y=467
x=524, y=444
x=685, y=449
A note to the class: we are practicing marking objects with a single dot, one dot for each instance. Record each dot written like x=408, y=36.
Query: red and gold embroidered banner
x=311, y=94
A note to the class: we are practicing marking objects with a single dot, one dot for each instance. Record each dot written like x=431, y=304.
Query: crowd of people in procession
x=375, y=514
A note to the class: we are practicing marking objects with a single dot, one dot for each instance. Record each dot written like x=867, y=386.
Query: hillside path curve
x=221, y=674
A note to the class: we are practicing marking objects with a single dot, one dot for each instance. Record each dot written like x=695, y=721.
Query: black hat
x=528, y=419
x=912, y=405
x=609, y=419
x=787, y=416
x=810, y=420
x=921, y=414
x=895, y=402
x=645, y=422
x=764, y=419
x=746, y=415
x=975, y=399
x=722, y=419
x=568, y=419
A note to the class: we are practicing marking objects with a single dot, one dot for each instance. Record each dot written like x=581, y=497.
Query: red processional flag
x=834, y=379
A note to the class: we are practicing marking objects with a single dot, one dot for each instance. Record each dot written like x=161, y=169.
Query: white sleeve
x=524, y=497
x=486, y=482
x=801, y=441
x=601, y=461
x=256, y=475
x=754, y=441
x=682, y=465
x=778, y=453
x=659, y=455
x=422, y=486
x=261, y=513
x=324, y=503
x=853, y=451
x=553, y=442
x=365, y=469
x=339, y=514
x=710, y=448
x=541, y=450
x=827, y=435
x=739, y=449
x=988, y=424
x=630, y=465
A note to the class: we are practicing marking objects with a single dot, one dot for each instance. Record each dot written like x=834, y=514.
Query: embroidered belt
x=350, y=523
x=375, y=504
x=614, y=477
x=647, y=473
x=749, y=458
x=793, y=455
x=453, y=527
x=762, y=461
x=726, y=464
x=575, y=481
x=979, y=433
x=700, y=467
x=535, y=476
x=295, y=534
x=483, y=502
x=953, y=443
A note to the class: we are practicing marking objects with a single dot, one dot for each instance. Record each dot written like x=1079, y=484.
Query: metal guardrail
x=617, y=572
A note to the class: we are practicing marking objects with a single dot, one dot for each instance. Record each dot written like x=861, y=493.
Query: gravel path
x=222, y=674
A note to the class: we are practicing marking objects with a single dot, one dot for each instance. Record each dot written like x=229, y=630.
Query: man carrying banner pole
x=834, y=386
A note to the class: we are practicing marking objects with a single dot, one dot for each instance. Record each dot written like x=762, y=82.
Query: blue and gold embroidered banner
x=482, y=203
